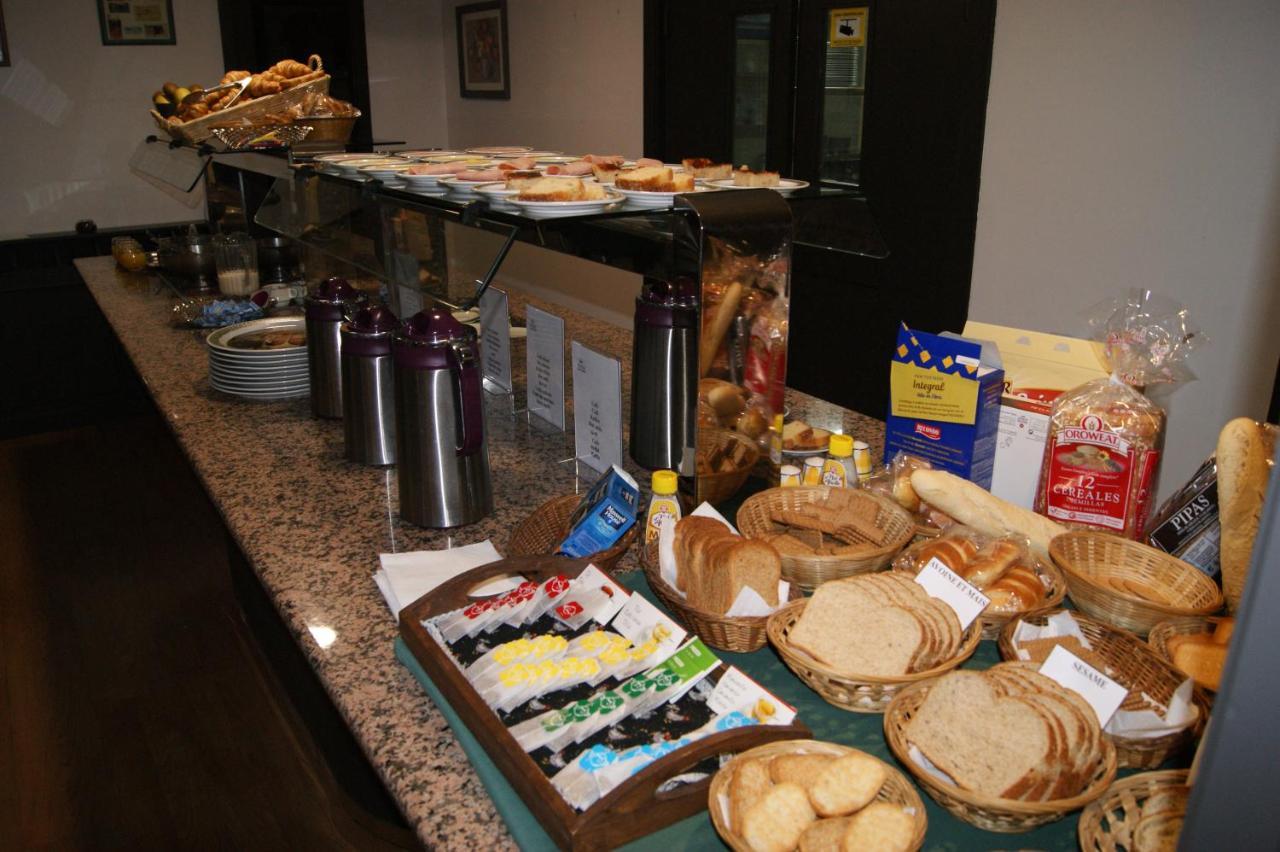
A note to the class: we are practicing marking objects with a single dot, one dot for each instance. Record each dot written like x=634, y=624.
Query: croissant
x=260, y=85
x=233, y=77
x=289, y=68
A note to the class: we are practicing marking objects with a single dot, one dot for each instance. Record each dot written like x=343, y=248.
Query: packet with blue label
x=604, y=515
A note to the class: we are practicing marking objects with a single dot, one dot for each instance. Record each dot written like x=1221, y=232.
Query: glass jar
x=236, y=257
x=128, y=254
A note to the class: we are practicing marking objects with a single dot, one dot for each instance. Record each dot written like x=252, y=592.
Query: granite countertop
x=312, y=525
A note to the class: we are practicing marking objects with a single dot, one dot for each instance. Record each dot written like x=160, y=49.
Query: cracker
x=776, y=821
x=823, y=835
x=749, y=783
x=879, y=826
x=802, y=769
x=848, y=784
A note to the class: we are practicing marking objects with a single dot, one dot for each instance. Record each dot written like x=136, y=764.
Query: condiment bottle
x=813, y=470
x=789, y=476
x=664, y=506
x=837, y=470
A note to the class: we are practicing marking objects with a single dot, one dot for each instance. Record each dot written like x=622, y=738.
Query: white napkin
x=1147, y=723
x=747, y=603
x=1058, y=625
x=405, y=577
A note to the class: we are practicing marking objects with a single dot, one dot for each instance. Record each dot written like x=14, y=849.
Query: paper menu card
x=544, y=383
x=495, y=338
x=965, y=600
x=597, y=408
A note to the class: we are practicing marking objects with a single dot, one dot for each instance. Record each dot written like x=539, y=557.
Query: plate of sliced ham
x=465, y=183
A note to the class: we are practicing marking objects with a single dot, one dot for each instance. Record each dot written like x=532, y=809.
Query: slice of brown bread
x=846, y=627
x=708, y=578
x=985, y=742
x=749, y=563
x=689, y=529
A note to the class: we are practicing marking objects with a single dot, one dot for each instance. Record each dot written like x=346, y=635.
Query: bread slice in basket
x=880, y=625
x=1009, y=732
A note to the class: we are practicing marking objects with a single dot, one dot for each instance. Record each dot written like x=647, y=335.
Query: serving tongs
x=221, y=87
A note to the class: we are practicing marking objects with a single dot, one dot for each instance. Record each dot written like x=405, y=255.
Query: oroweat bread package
x=1102, y=454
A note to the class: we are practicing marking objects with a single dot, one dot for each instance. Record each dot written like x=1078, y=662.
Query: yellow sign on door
x=847, y=27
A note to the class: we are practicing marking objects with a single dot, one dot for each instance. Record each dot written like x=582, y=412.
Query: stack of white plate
x=262, y=359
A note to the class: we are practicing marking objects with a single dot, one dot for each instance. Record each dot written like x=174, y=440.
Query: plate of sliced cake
x=744, y=178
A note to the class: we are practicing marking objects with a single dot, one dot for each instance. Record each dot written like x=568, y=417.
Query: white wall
x=72, y=111
x=1138, y=144
x=404, y=41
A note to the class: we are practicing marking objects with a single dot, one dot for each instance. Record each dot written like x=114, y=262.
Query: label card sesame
x=736, y=691
x=1103, y=694
x=949, y=587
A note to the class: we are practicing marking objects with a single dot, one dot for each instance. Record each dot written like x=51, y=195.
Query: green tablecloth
x=861, y=730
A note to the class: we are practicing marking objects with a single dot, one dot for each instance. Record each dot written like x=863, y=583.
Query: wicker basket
x=992, y=623
x=857, y=693
x=715, y=488
x=737, y=633
x=990, y=813
x=809, y=572
x=1108, y=823
x=1187, y=625
x=199, y=129
x=897, y=788
x=1117, y=580
x=1138, y=668
x=542, y=532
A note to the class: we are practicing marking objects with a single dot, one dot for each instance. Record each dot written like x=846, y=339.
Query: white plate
x=501, y=150
x=417, y=156
x=554, y=159
x=785, y=185
x=498, y=194
x=338, y=158
x=352, y=168
x=290, y=358
x=385, y=171
x=537, y=155
x=645, y=198
x=254, y=375
x=466, y=188
x=459, y=158
x=550, y=209
x=221, y=339
x=293, y=383
x=265, y=396
x=277, y=389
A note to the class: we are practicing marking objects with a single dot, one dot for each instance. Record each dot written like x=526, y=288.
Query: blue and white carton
x=944, y=402
x=604, y=514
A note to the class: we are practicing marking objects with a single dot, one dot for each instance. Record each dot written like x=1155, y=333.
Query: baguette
x=1242, y=485
x=973, y=505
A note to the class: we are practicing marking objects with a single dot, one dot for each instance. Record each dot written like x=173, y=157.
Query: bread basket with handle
x=1108, y=823
x=1129, y=584
x=541, y=533
x=896, y=790
x=1129, y=661
x=755, y=520
x=991, y=813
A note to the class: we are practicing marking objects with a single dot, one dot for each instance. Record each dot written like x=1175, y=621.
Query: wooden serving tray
x=634, y=808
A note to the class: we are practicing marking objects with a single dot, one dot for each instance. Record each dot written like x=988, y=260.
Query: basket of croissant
x=268, y=98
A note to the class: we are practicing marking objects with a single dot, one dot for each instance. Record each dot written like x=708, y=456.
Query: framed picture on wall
x=483, y=67
x=4, y=42
x=126, y=22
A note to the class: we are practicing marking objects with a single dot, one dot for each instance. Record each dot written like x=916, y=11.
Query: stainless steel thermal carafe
x=664, y=376
x=441, y=456
x=325, y=311
x=368, y=388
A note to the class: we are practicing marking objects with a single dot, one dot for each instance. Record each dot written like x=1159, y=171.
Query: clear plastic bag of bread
x=1102, y=454
x=894, y=481
x=320, y=105
x=1002, y=567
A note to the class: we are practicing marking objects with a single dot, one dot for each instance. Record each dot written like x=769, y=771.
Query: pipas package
x=944, y=403
x=1038, y=368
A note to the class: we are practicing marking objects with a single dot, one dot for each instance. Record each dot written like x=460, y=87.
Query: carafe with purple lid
x=368, y=388
x=441, y=455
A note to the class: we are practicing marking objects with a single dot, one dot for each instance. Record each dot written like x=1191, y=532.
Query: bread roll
x=954, y=553
x=972, y=505
x=1242, y=485
x=991, y=564
x=1019, y=590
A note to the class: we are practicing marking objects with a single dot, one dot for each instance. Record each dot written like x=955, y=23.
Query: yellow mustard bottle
x=664, y=506
x=837, y=469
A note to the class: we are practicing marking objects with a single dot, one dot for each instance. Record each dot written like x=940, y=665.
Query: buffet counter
x=312, y=524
